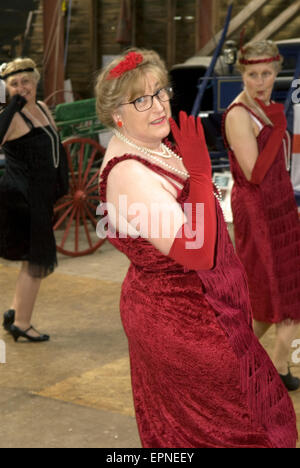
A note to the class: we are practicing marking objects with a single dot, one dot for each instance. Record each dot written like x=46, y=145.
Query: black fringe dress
x=29, y=188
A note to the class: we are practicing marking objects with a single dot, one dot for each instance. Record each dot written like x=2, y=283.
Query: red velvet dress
x=267, y=236
x=200, y=377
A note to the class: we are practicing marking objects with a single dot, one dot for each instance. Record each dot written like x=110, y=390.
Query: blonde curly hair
x=21, y=64
x=110, y=93
x=264, y=48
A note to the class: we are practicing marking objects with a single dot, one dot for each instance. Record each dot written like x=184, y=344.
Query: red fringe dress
x=267, y=235
x=200, y=377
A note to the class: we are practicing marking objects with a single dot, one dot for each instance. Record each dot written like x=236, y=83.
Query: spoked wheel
x=75, y=214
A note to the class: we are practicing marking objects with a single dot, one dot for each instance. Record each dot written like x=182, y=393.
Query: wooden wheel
x=75, y=214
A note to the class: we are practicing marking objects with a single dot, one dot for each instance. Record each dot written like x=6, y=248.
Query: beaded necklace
x=166, y=153
x=54, y=144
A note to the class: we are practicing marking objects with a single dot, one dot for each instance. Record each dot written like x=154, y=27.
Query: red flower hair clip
x=130, y=62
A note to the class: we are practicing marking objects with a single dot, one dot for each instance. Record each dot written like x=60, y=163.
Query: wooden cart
x=75, y=214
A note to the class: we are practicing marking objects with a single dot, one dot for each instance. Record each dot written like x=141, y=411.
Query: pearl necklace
x=55, y=147
x=154, y=156
x=166, y=153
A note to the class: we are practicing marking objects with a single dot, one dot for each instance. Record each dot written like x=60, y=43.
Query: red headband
x=130, y=62
x=244, y=61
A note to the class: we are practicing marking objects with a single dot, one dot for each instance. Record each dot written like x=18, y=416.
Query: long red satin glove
x=186, y=249
x=275, y=112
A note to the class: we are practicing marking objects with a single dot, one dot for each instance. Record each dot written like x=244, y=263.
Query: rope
x=52, y=36
x=57, y=51
x=68, y=33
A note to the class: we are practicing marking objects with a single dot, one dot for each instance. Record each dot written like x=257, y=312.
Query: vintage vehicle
x=218, y=89
x=224, y=84
x=75, y=215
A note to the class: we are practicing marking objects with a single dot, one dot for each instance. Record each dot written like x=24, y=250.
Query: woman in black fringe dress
x=35, y=177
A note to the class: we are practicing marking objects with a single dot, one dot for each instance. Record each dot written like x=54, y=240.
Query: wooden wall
x=79, y=66
x=168, y=26
x=152, y=20
x=269, y=12
x=14, y=16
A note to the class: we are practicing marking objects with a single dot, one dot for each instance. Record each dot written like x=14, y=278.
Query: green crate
x=78, y=118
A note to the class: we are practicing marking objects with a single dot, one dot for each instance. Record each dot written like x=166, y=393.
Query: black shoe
x=9, y=318
x=292, y=383
x=17, y=333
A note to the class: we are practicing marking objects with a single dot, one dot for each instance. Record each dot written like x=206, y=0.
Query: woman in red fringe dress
x=267, y=228
x=200, y=377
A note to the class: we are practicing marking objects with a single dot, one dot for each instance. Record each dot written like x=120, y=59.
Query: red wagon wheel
x=75, y=214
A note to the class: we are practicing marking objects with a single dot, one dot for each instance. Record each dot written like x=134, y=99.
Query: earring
x=120, y=124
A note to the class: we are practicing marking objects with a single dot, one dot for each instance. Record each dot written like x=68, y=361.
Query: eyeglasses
x=145, y=103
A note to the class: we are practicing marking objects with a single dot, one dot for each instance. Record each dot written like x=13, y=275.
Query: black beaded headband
x=16, y=72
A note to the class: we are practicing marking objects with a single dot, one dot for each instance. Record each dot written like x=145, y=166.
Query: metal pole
x=209, y=72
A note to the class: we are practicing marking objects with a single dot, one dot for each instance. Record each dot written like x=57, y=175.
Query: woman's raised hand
x=190, y=139
x=15, y=105
x=275, y=112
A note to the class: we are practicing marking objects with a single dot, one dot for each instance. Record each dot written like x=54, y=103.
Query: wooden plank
x=152, y=26
x=204, y=22
x=134, y=23
x=237, y=22
x=171, y=35
x=186, y=27
x=53, y=70
x=274, y=26
x=93, y=35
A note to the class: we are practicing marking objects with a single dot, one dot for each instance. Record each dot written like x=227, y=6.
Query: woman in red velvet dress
x=267, y=228
x=200, y=377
